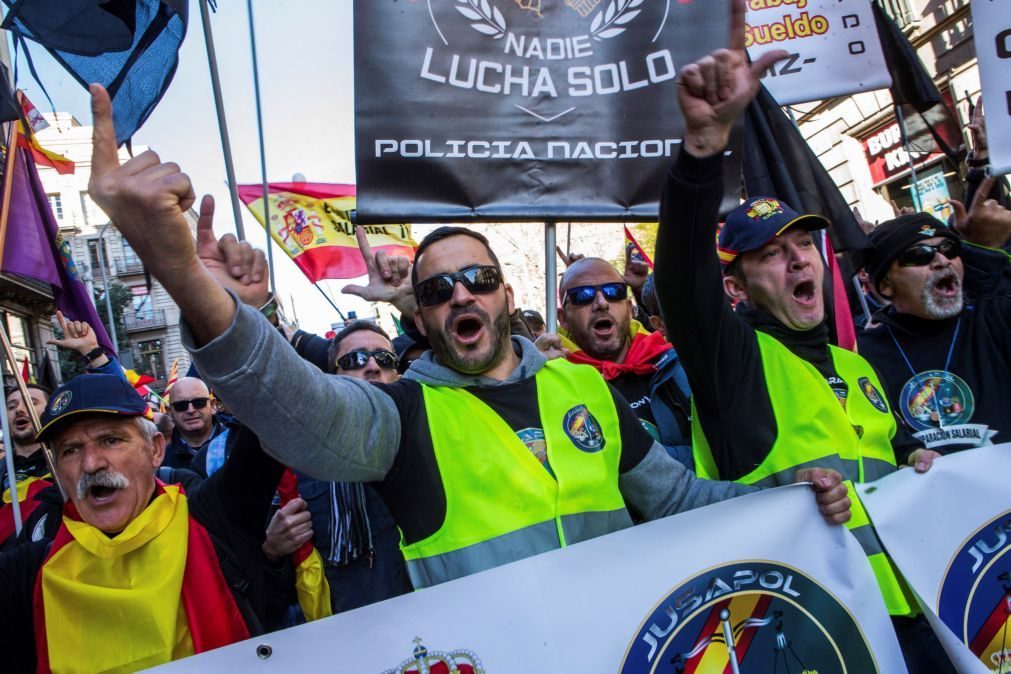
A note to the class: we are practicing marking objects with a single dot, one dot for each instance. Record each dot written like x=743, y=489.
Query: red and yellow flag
x=634, y=250
x=312, y=223
x=28, y=141
x=311, y=586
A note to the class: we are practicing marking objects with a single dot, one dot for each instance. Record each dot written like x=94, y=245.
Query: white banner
x=991, y=25
x=764, y=573
x=947, y=531
x=833, y=44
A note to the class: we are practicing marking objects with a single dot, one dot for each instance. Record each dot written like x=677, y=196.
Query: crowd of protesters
x=350, y=470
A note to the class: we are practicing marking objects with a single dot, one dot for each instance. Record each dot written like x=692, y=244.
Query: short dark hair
x=444, y=233
x=38, y=387
x=350, y=328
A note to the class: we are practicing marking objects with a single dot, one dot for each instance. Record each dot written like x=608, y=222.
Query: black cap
x=892, y=237
x=90, y=394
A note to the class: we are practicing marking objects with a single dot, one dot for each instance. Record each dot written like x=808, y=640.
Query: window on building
x=56, y=205
x=96, y=267
x=130, y=258
x=150, y=359
x=19, y=330
x=93, y=215
x=141, y=306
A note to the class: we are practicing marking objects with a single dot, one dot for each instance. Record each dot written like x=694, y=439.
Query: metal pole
x=11, y=474
x=226, y=147
x=913, y=192
x=550, y=282
x=105, y=287
x=263, y=150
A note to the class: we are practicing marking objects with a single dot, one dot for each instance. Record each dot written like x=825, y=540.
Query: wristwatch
x=269, y=309
x=93, y=354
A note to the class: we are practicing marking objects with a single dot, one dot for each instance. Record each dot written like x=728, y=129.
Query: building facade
x=858, y=137
x=149, y=331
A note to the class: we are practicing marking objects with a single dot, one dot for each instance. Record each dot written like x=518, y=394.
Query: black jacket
x=959, y=406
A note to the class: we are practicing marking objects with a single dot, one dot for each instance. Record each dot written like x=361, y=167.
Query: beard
x=25, y=437
x=474, y=360
x=937, y=306
x=602, y=349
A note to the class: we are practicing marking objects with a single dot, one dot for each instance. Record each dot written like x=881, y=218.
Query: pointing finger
x=766, y=61
x=205, y=224
x=62, y=321
x=365, y=247
x=738, y=9
x=104, y=151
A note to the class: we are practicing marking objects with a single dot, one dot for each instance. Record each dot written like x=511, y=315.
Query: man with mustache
x=945, y=355
x=770, y=394
x=139, y=573
x=447, y=445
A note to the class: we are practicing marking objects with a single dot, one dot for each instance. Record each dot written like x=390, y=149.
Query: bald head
x=588, y=267
x=194, y=422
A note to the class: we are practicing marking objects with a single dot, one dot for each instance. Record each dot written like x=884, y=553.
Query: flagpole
x=33, y=416
x=226, y=146
x=551, y=272
x=8, y=181
x=327, y=298
x=11, y=474
x=913, y=192
x=263, y=150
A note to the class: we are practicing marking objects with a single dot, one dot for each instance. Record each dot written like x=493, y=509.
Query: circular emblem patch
x=60, y=402
x=583, y=429
x=975, y=596
x=872, y=394
x=936, y=399
x=770, y=616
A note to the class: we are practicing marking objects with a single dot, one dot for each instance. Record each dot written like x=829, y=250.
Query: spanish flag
x=28, y=141
x=312, y=223
x=311, y=585
x=634, y=251
x=710, y=654
x=991, y=642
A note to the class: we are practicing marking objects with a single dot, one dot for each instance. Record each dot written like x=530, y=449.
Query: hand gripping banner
x=756, y=584
x=522, y=109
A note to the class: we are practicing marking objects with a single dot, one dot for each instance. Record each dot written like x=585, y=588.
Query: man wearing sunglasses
x=597, y=328
x=454, y=446
x=196, y=429
x=769, y=391
x=944, y=351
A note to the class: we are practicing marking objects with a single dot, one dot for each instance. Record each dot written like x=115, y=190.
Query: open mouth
x=603, y=328
x=100, y=494
x=948, y=286
x=467, y=329
x=803, y=293
x=22, y=424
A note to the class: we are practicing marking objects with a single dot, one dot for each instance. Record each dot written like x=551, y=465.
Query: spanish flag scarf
x=644, y=348
x=26, y=491
x=311, y=586
x=152, y=594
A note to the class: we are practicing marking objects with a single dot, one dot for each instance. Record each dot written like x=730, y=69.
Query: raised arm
x=333, y=428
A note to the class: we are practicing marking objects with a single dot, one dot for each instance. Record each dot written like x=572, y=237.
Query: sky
x=305, y=58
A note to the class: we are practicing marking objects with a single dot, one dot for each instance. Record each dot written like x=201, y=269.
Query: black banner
x=478, y=110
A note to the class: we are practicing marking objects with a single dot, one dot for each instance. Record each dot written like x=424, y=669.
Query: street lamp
x=105, y=285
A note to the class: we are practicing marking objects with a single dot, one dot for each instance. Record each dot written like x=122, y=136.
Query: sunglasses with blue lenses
x=478, y=279
x=583, y=295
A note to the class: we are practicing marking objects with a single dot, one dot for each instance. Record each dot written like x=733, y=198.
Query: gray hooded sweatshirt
x=344, y=429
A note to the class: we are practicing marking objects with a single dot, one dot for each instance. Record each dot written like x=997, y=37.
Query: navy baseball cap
x=758, y=221
x=90, y=394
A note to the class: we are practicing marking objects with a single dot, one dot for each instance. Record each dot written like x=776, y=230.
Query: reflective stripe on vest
x=855, y=441
x=501, y=503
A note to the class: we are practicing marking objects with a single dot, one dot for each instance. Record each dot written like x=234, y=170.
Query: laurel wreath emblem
x=610, y=21
x=486, y=18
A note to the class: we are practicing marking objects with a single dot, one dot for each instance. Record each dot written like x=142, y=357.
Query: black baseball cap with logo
x=90, y=394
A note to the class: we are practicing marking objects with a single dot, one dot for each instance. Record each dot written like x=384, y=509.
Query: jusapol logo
x=534, y=49
x=740, y=618
x=975, y=596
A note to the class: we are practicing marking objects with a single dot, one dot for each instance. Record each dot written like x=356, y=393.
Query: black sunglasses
x=356, y=360
x=923, y=253
x=479, y=279
x=183, y=405
x=583, y=295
